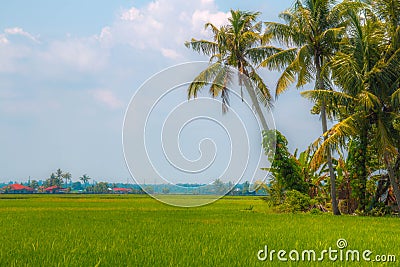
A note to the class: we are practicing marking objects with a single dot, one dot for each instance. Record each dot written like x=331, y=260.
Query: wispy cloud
x=163, y=26
x=3, y=39
x=108, y=98
x=20, y=31
x=83, y=54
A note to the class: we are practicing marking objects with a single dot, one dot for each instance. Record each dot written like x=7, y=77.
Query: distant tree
x=68, y=177
x=230, y=187
x=59, y=175
x=149, y=189
x=85, y=179
x=101, y=187
x=89, y=189
x=219, y=186
x=34, y=184
x=77, y=186
x=246, y=187
x=140, y=191
x=52, y=180
x=165, y=190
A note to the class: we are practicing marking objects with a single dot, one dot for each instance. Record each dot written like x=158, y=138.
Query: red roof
x=18, y=187
x=52, y=188
x=121, y=189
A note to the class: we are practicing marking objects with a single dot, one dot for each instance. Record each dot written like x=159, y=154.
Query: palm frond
x=369, y=101
x=279, y=60
x=281, y=32
x=205, y=78
x=329, y=96
x=335, y=138
x=203, y=46
x=287, y=77
x=262, y=91
x=395, y=99
x=260, y=53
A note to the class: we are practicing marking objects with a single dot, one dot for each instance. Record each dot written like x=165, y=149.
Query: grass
x=134, y=230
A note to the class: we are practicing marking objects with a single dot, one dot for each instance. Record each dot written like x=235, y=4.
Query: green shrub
x=296, y=201
x=315, y=211
x=284, y=167
x=275, y=192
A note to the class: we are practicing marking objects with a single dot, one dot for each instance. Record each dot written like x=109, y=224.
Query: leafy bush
x=296, y=201
x=378, y=211
x=315, y=211
x=284, y=167
x=275, y=192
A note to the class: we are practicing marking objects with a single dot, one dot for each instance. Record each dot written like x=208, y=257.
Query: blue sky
x=69, y=68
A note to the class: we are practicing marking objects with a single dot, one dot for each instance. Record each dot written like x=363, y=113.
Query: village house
x=17, y=189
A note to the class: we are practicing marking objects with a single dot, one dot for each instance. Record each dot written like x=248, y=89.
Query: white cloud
x=107, y=98
x=131, y=14
x=84, y=55
x=78, y=54
x=20, y=31
x=201, y=17
x=11, y=56
x=158, y=28
x=12, y=51
x=163, y=26
x=170, y=53
x=205, y=2
x=3, y=39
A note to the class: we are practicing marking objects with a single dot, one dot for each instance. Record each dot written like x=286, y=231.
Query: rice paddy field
x=136, y=230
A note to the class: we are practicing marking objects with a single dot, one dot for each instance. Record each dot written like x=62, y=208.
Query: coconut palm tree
x=67, y=176
x=59, y=176
x=85, y=179
x=367, y=69
x=311, y=30
x=237, y=45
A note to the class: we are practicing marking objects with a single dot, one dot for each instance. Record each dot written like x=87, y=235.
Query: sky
x=68, y=70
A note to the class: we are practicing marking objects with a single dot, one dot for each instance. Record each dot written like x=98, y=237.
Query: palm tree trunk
x=257, y=107
x=332, y=176
x=319, y=86
x=254, y=99
x=393, y=181
x=363, y=171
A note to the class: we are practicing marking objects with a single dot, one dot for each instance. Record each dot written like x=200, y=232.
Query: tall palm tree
x=311, y=31
x=59, y=175
x=236, y=45
x=367, y=69
x=85, y=179
x=67, y=176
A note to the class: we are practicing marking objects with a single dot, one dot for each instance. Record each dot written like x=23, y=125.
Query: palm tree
x=84, y=178
x=34, y=184
x=236, y=45
x=367, y=69
x=53, y=180
x=67, y=176
x=59, y=175
x=311, y=32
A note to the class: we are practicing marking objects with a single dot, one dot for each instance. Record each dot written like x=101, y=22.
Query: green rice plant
x=133, y=230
